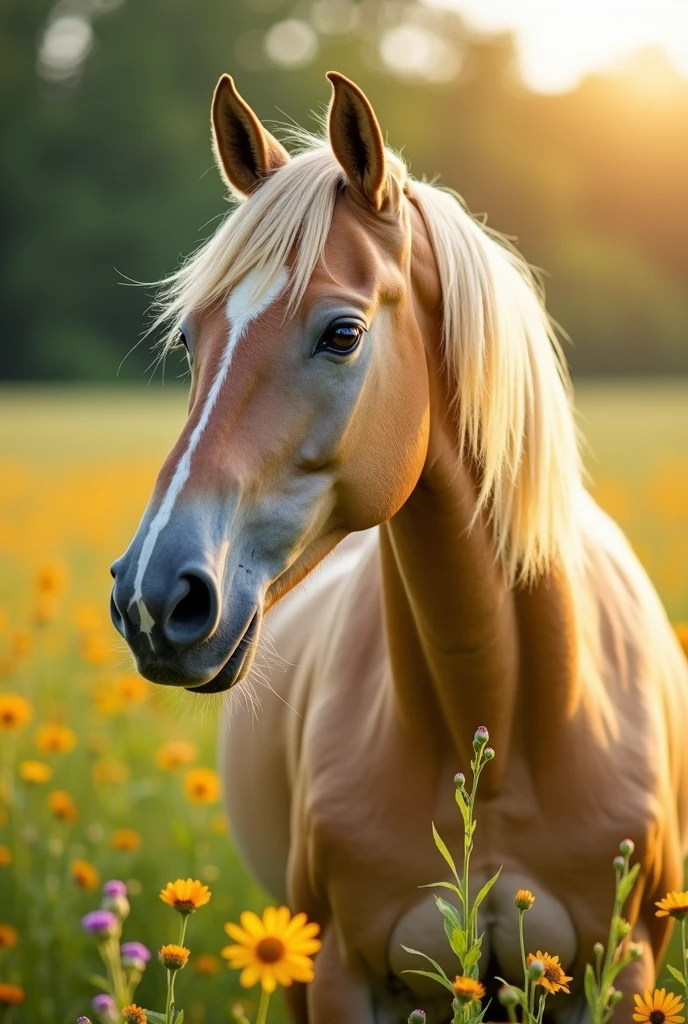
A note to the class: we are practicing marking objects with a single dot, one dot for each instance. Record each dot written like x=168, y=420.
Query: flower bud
x=417, y=1017
x=627, y=847
x=536, y=970
x=173, y=957
x=507, y=996
x=524, y=899
x=460, y=783
x=622, y=928
x=615, y=997
x=135, y=955
x=488, y=754
x=100, y=923
x=105, y=1007
x=635, y=950
x=619, y=863
x=598, y=949
x=83, y=1020
x=480, y=738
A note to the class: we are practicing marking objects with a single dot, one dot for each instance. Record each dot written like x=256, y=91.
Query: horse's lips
x=231, y=670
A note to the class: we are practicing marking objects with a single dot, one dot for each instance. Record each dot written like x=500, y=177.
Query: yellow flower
x=62, y=806
x=21, y=642
x=173, y=957
x=125, y=839
x=15, y=711
x=133, y=1014
x=54, y=738
x=11, y=995
x=524, y=899
x=674, y=904
x=130, y=688
x=468, y=990
x=206, y=963
x=275, y=950
x=202, y=786
x=554, y=979
x=185, y=896
x=36, y=772
x=84, y=874
x=175, y=754
x=51, y=578
x=658, y=1007
x=9, y=936
x=5, y=856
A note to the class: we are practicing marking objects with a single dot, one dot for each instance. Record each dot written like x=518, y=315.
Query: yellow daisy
x=35, y=772
x=658, y=1007
x=554, y=979
x=15, y=711
x=185, y=896
x=674, y=904
x=202, y=786
x=54, y=738
x=524, y=899
x=275, y=950
x=468, y=990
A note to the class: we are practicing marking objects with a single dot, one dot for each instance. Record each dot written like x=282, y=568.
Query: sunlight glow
x=560, y=41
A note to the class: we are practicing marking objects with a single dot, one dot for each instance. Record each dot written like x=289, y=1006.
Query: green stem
x=522, y=941
x=263, y=1008
x=170, y=996
x=531, y=1003
x=684, y=947
x=611, y=950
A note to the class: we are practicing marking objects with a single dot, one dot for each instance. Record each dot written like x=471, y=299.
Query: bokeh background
x=563, y=123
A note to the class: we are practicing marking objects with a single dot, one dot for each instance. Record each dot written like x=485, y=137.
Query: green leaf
x=450, y=914
x=626, y=884
x=591, y=993
x=457, y=941
x=472, y=955
x=676, y=974
x=441, y=846
x=99, y=981
x=435, y=977
x=481, y=896
x=157, y=1018
x=179, y=1019
x=463, y=806
x=430, y=960
x=443, y=885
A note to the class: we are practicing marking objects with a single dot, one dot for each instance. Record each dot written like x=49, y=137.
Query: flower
x=51, y=578
x=83, y=1020
x=101, y=923
x=35, y=772
x=206, y=963
x=173, y=957
x=174, y=754
x=115, y=887
x=131, y=688
x=105, y=1007
x=185, y=896
x=11, y=995
x=202, y=786
x=133, y=1014
x=524, y=899
x=554, y=979
x=417, y=1017
x=658, y=1007
x=5, y=856
x=9, y=936
x=125, y=839
x=674, y=904
x=135, y=954
x=275, y=950
x=115, y=898
x=468, y=990
x=15, y=711
x=21, y=643
x=84, y=874
x=54, y=738
x=62, y=806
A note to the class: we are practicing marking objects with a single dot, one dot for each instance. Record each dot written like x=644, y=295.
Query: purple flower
x=83, y=1020
x=101, y=923
x=135, y=954
x=105, y=1007
x=115, y=888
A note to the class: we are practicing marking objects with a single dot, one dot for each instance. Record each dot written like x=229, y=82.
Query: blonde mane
x=512, y=394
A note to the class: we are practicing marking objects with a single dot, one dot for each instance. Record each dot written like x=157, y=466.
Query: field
x=76, y=469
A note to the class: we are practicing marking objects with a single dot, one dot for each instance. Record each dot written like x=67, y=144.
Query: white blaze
x=242, y=307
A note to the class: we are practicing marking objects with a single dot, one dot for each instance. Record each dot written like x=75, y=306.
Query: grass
x=77, y=468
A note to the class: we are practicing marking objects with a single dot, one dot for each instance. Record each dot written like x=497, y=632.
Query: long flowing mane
x=512, y=393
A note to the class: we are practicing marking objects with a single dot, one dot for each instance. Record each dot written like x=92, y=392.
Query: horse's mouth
x=238, y=663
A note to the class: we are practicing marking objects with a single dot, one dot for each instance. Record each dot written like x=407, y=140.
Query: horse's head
x=309, y=398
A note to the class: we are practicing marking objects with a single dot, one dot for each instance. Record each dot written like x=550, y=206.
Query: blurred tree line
x=106, y=173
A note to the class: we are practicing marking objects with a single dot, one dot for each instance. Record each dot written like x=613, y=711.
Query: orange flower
x=133, y=1014
x=175, y=754
x=554, y=978
x=35, y=772
x=130, y=688
x=206, y=963
x=674, y=904
x=202, y=786
x=185, y=896
x=21, y=642
x=658, y=1007
x=15, y=711
x=125, y=839
x=84, y=874
x=524, y=899
x=173, y=957
x=275, y=950
x=62, y=806
x=5, y=856
x=9, y=936
x=52, y=578
x=11, y=995
x=53, y=738
x=468, y=990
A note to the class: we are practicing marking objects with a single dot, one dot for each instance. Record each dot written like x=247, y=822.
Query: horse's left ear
x=246, y=152
x=356, y=140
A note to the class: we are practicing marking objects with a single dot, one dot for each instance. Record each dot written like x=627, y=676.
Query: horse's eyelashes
x=341, y=337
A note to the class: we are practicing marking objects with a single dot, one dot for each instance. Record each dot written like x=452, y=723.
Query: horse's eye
x=341, y=337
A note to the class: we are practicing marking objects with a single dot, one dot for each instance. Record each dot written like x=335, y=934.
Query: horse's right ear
x=246, y=152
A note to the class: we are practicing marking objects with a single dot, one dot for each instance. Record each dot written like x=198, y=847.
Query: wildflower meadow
x=122, y=898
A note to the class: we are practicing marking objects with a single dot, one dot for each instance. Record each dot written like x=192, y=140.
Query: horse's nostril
x=192, y=614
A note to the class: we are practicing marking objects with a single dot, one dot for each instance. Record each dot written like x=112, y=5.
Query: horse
x=373, y=371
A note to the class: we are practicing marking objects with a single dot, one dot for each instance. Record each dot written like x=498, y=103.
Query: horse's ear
x=356, y=139
x=246, y=152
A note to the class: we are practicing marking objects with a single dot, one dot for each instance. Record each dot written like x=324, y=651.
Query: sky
x=560, y=41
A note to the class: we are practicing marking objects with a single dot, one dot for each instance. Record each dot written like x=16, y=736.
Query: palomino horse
x=364, y=354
